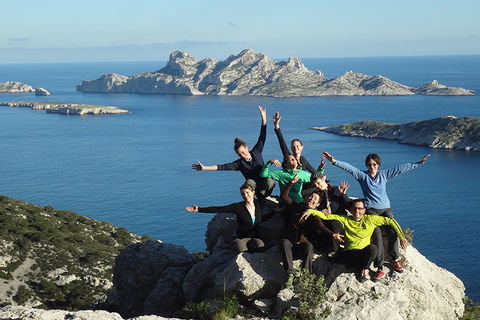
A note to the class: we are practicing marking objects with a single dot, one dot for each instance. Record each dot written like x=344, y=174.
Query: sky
x=35, y=31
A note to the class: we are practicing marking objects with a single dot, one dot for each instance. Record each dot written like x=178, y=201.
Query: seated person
x=250, y=163
x=249, y=218
x=286, y=175
x=359, y=252
x=336, y=200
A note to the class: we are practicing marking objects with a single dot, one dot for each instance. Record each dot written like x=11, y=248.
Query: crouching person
x=359, y=252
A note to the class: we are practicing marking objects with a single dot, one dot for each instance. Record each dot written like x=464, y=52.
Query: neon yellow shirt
x=358, y=233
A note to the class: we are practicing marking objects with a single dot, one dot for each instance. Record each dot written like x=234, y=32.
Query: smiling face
x=247, y=194
x=243, y=153
x=320, y=183
x=357, y=210
x=313, y=200
x=372, y=167
x=290, y=162
x=297, y=147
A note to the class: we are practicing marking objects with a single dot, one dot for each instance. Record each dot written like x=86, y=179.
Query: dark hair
x=237, y=143
x=247, y=186
x=285, y=161
x=299, y=141
x=373, y=156
x=357, y=200
x=320, y=193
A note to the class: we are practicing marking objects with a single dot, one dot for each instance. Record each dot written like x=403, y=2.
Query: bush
x=472, y=310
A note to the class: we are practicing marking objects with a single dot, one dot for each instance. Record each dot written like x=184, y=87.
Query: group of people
x=317, y=215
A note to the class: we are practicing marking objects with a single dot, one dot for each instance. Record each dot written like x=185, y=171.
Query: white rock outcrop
x=15, y=87
x=251, y=73
x=42, y=92
x=66, y=108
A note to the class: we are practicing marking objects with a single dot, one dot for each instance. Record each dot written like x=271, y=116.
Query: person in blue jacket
x=373, y=182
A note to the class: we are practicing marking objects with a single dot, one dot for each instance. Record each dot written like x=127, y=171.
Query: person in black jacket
x=250, y=163
x=249, y=218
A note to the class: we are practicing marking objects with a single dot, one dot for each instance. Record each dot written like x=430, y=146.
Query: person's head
x=297, y=146
x=313, y=200
x=319, y=181
x=247, y=192
x=373, y=162
x=290, y=162
x=241, y=149
x=357, y=209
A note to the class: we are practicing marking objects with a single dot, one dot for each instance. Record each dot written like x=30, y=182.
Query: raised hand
x=322, y=162
x=198, y=166
x=329, y=157
x=275, y=162
x=339, y=237
x=263, y=114
x=343, y=187
x=295, y=179
x=276, y=120
x=424, y=159
x=193, y=208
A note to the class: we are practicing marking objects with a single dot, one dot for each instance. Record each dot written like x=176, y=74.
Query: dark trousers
x=358, y=258
x=263, y=186
x=247, y=244
x=301, y=250
x=315, y=233
x=393, y=248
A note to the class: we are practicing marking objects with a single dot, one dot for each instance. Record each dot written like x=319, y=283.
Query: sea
x=134, y=170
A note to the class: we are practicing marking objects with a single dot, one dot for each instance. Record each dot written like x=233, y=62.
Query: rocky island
x=15, y=87
x=251, y=73
x=58, y=260
x=446, y=132
x=66, y=108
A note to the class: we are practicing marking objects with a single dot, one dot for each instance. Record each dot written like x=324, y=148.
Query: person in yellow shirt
x=359, y=252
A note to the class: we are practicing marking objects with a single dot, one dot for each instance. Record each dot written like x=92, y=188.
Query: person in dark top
x=250, y=162
x=297, y=148
x=335, y=198
x=249, y=218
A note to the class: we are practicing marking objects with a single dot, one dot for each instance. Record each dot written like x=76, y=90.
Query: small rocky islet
x=251, y=73
x=66, y=108
x=447, y=132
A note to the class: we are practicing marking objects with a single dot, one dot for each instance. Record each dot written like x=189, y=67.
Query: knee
x=285, y=243
x=372, y=250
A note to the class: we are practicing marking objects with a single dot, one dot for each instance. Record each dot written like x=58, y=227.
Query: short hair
x=247, y=186
x=373, y=156
x=356, y=201
x=237, y=143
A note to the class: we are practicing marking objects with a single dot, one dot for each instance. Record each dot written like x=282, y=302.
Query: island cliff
x=66, y=108
x=447, y=132
x=251, y=73
x=15, y=87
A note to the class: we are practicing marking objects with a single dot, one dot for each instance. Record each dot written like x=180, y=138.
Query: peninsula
x=446, y=132
x=251, y=73
x=66, y=108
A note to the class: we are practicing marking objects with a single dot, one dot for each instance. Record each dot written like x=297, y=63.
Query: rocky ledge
x=447, y=132
x=15, y=87
x=251, y=73
x=66, y=108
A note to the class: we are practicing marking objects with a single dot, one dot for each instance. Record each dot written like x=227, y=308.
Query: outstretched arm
x=343, y=165
x=200, y=167
x=278, y=132
x=424, y=159
x=265, y=173
x=285, y=193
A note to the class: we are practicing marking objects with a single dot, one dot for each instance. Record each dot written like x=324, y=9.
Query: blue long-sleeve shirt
x=375, y=189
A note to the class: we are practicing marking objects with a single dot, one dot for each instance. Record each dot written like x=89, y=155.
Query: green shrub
x=472, y=310
x=23, y=295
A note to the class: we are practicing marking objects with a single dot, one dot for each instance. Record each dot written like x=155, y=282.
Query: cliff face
x=251, y=73
x=66, y=108
x=440, y=133
x=15, y=87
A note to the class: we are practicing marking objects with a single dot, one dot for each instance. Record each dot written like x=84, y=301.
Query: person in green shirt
x=359, y=252
x=285, y=176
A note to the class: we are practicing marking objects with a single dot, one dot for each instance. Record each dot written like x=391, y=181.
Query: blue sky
x=71, y=31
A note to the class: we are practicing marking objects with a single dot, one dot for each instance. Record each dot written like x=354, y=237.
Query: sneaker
x=378, y=275
x=397, y=266
x=289, y=282
x=362, y=277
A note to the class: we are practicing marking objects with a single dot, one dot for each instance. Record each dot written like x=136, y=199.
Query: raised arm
x=285, y=193
x=265, y=173
x=278, y=132
x=263, y=131
x=343, y=165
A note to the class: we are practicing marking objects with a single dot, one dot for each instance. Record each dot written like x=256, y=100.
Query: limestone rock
x=66, y=108
x=251, y=73
x=446, y=132
x=437, y=89
x=41, y=92
x=148, y=278
x=15, y=87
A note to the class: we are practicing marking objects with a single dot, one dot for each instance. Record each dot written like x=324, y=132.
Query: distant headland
x=447, y=132
x=66, y=108
x=251, y=73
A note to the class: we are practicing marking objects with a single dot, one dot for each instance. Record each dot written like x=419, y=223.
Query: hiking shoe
x=289, y=282
x=378, y=275
x=362, y=277
x=397, y=266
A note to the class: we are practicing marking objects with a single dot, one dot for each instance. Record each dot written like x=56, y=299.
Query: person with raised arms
x=374, y=187
x=249, y=218
x=359, y=252
x=250, y=162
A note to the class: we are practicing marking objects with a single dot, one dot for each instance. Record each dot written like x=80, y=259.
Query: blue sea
x=135, y=171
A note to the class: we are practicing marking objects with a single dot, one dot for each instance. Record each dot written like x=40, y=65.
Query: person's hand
x=329, y=157
x=275, y=162
x=424, y=159
x=404, y=243
x=339, y=237
x=326, y=211
x=276, y=120
x=295, y=179
x=322, y=162
x=263, y=114
x=304, y=216
x=343, y=187
x=198, y=166
x=193, y=208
